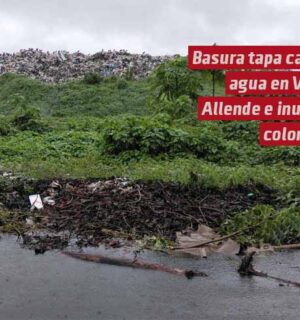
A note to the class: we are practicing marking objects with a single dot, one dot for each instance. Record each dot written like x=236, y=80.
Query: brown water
x=54, y=286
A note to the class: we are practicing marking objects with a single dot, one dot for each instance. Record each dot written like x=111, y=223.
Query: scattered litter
x=49, y=201
x=94, y=186
x=29, y=222
x=7, y=174
x=203, y=235
x=54, y=188
x=69, y=187
x=36, y=202
x=55, y=184
x=95, y=211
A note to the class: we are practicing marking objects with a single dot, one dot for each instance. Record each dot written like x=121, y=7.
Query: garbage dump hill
x=62, y=66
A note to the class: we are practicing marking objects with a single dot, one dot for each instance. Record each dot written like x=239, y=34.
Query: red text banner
x=279, y=133
x=262, y=82
x=249, y=108
x=243, y=57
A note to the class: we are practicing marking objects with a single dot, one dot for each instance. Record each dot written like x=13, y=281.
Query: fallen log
x=246, y=269
x=139, y=264
x=287, y=246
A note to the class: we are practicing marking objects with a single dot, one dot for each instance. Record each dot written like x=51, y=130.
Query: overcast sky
x=153, y=26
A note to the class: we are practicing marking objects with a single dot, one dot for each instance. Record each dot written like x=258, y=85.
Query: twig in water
x=246, y=269
x=136, y=263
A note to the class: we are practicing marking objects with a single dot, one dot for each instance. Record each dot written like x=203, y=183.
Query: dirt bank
x=91, y=211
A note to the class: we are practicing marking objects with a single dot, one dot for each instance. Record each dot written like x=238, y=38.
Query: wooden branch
x=139, y=264
x=287, y=246
x=246, y=269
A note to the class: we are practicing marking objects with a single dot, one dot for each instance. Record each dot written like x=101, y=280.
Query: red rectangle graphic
x=243, y=57
x=249, y=108
x=279, y=134
x=262, y=82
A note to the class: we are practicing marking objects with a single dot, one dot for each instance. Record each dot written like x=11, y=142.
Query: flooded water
x=54, y=286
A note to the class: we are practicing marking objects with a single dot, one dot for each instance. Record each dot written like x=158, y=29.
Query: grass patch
x=271, y=227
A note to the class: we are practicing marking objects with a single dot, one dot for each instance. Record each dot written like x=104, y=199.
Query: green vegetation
x=11, y=223
x=174, y=79
x=147, y=129
x=268, y=225
x=155, y=136
x=92, y=78
x=111, y=96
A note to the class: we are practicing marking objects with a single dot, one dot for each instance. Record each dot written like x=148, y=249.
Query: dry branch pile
x=86, y=210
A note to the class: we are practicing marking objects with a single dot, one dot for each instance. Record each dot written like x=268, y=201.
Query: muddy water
x=54, y=286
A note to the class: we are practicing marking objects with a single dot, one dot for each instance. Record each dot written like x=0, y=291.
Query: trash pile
x=62, y=66
x=92, y=212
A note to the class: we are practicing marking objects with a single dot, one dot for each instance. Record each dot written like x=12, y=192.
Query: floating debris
x=135, y=263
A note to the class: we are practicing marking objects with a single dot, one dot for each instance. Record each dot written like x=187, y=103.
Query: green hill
x=109, y=128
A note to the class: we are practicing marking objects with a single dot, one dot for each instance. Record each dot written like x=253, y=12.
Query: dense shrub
x=92, y=78
x=286, y=155
x=156, y=135
x=244, y=131
x=5, y=127
x=121, y=84
x=148, y=135
x=28, y=118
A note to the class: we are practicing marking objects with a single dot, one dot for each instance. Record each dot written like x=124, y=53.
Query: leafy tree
x=173, y=79
x=175, y=108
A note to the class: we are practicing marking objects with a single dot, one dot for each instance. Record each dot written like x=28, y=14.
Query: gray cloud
x=154, y=26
